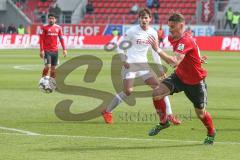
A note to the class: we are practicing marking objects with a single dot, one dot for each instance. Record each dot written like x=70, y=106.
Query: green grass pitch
x=25, y=110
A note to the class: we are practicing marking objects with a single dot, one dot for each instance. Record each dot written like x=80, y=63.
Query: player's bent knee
x=53, y=68
x=155, y=98
x=48, y=66
x=160, y=92
x=200, y=112
x=128, y=92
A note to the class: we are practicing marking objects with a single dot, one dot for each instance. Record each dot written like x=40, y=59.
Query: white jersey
x=137, y=53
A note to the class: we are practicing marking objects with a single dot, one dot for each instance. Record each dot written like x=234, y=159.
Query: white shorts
x=144, y=74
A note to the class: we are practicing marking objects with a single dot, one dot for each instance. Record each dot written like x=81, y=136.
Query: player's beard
x=51, y=23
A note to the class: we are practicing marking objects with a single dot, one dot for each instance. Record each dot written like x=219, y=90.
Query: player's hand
x=162, y=76
x=204, y=59
x=41, y=54
x=64, y=53
x=154, y=43
x=126, y=65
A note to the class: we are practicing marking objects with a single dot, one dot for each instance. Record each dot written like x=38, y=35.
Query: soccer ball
x=47, y=84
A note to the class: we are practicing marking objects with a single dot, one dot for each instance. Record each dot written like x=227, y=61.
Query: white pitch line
x=135, y=139
x=20, y=131
x=114, y=138
x=27, y=67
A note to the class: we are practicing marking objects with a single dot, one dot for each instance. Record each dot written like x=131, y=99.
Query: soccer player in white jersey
x=137, y=54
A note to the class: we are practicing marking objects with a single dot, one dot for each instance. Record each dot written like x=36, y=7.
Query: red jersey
x=49, y=38
x=190, y=70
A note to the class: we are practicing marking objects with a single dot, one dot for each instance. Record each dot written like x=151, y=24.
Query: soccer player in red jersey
x=49, y=45
x=188, y=77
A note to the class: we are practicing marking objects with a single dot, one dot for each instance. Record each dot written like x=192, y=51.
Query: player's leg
x=45, y=70
x=158, y=100
x=197, y=94
x=53, y=72
x=47, y=63
x=165, y=102
x=164, y=107
x=159, y=104
x=128, y=88
x=206, y=119
x=170, y=116
x=54, y=63
x=168, y=86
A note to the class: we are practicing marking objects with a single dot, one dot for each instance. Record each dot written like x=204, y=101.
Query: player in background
x=49, y=45
x=161, y=36
x=189, y=76
x=137, y=54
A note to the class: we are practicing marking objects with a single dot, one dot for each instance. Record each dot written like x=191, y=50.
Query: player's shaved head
x=144, y=12
x=176, y=17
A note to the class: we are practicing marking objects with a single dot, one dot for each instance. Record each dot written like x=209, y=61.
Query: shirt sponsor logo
x=142, y=42
x=52, y=34
x=180, y=47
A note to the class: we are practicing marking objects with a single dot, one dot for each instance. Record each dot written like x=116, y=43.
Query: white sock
x=116, y=101
x=168, y=105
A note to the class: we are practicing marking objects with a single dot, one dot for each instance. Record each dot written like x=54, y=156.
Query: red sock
x=207, y=121
x=45, y=72
x=53, y=74
x=160, y=107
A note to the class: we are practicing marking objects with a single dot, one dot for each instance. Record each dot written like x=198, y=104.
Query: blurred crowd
x=153, y=5
x=41, y=11
x=12, y=29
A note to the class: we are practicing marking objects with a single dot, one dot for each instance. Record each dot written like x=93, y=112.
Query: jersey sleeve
x=60, y=35
x=184, y=46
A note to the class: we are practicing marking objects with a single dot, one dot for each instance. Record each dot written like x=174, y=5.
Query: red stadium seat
x=115, y=10
x=181, y=5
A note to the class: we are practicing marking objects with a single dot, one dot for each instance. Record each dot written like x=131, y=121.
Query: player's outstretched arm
x=171, y=60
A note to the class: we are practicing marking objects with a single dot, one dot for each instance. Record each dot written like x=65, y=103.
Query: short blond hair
x=176, y=17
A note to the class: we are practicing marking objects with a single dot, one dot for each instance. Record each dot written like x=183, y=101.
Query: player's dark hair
x=176, y=17
x=144, y=12
x=51, y=15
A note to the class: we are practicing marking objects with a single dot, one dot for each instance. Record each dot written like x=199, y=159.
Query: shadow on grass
x=220, y=129
x=89, y=122
x=112, y=148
